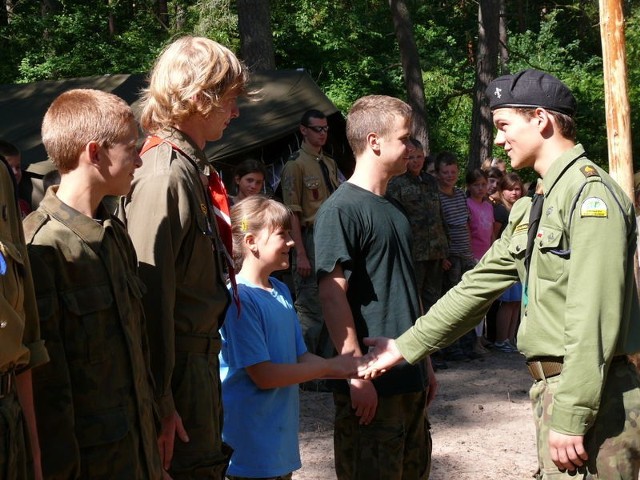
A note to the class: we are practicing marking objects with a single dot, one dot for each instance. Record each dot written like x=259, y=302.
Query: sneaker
x=505, y=347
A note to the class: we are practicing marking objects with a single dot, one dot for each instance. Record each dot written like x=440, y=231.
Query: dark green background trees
x=349, y=47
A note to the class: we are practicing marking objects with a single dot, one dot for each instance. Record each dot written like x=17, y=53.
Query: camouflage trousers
x=429, y=277
x=307, y=303
x=396, y=445
x=197, y=395
x=612, y=443
x=15, y=451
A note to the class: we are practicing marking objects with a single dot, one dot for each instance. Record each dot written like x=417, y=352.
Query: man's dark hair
x=309, y=114
x=8, y=149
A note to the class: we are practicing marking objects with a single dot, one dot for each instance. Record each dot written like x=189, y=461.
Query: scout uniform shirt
x=304, y=187
x=172, y=227
x=20, y=343
x=97, y=389
x=582, y=301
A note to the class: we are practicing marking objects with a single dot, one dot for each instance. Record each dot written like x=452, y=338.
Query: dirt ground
x=480, y=423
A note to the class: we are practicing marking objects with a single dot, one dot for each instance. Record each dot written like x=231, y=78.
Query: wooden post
x=617, y=104
x=616, y=98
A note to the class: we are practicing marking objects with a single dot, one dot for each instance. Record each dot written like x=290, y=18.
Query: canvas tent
x=267, y=128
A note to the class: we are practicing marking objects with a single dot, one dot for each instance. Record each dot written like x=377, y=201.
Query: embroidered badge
x=523, y=227
x=589, y=171
x=498, y=92
x=594, y=207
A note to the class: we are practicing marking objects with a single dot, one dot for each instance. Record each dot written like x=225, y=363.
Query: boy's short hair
x=373, y=114
x=566, y=124
x=445, y=158
x=192, y=75
x=80, y=116
x=309, y=114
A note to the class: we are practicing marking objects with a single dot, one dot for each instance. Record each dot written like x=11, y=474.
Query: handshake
x=382, y=355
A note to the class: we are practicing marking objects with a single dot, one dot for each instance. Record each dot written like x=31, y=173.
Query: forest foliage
x=348, y=47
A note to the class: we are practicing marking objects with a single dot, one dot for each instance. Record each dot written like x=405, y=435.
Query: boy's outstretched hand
x=383, y=354
x=344, y=366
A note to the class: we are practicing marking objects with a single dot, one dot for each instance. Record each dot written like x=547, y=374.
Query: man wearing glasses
x=308, y=178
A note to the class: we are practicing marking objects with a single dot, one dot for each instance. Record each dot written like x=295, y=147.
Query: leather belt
x=198, y=344
x=552, y=366
x=7, y=379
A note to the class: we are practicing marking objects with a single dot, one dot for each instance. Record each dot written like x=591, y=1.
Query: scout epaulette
x=589, y=171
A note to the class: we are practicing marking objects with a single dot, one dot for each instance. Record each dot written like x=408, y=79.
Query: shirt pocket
x=552, y=255
x=89, y=315
x=101, y=428
x=518, y=245
x=12, y=275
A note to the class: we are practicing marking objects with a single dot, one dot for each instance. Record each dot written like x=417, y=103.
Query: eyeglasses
x=318, y=129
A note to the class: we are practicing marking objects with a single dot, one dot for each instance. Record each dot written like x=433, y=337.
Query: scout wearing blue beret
x=573, y=249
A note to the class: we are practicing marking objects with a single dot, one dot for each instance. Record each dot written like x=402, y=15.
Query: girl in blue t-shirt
x=263, y=356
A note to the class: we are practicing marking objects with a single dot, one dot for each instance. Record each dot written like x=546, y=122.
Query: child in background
x=510, y=189
x=460, y=257
x=481, y=230
x=481, y=213
x=248, y=177
x=263, y=355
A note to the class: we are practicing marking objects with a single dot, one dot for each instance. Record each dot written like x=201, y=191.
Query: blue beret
x=531, y=89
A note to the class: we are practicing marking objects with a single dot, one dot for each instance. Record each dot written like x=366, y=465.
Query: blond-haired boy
x=171, y=218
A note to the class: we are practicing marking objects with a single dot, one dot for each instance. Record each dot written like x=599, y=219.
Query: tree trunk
x=504, y=51
x=411, y=68
x=111, y=20
x=616, y=102
x=486, y=67
x=256, y=40
x=163, y=13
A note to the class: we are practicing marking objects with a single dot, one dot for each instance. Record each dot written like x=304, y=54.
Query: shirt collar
x=89, y=230
x=559, y=166
x=186, y=145
x=306, y=148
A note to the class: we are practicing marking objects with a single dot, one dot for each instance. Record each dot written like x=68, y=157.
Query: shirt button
x=3, y=324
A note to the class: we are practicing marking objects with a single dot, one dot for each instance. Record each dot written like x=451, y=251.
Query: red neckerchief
x=220, y=203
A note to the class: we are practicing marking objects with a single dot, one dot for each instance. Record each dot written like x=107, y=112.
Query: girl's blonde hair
x=192, y=75
x=253, y=214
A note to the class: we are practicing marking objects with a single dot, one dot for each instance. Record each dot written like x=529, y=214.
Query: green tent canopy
x=266, y=130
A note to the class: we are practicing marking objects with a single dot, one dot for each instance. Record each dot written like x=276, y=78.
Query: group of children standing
x=474, y=220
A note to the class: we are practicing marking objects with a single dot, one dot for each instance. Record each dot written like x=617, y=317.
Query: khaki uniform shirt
x=582, y=299
x=303, y=186
x=172, y=228
x=20, y=343
x=420, y=198
x=97, y=388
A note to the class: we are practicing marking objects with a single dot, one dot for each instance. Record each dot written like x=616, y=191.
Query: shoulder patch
x=589, y=171
x=594, y=207
x=294, y=155
x=33, y=223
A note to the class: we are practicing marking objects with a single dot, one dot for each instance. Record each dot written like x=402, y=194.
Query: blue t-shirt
x=260, y=425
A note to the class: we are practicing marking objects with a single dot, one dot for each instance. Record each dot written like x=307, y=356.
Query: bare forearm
x=296, y=234
x=268, y=375
x=338, y=316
